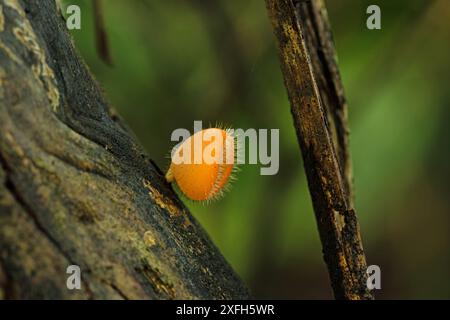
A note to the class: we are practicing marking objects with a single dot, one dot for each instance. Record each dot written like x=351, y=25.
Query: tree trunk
x=76, y=188
x=320, y=117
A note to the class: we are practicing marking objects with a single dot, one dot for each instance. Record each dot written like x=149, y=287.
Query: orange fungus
x=202, y=165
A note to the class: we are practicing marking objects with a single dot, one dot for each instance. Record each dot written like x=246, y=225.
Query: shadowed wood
x=319, y=110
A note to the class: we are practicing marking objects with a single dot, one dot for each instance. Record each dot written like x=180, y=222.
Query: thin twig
x=100, y=34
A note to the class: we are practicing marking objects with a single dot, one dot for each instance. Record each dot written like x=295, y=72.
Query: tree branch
x=76, y=188
x=318, y=106
x=313, y=18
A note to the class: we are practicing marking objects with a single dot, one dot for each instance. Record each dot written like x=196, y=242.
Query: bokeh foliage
x=216, y=61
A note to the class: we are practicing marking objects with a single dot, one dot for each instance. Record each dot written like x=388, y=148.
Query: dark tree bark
x=76, y=188
x=320, y=117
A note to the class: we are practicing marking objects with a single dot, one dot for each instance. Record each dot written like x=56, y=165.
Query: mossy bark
x=319, y=110
x=76, y=188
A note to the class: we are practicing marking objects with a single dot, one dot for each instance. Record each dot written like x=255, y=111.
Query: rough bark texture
x=76, y=188
x=320, y=117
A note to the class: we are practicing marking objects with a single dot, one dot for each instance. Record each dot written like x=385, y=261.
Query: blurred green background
x=216, y=61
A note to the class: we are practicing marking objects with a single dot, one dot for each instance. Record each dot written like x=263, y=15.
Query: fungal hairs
x=249, y=146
